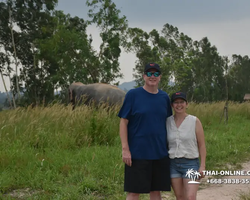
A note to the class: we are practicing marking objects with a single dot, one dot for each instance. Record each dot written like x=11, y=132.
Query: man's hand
x=126, y=157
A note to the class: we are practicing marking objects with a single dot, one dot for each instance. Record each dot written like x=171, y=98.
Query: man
x=144, y=138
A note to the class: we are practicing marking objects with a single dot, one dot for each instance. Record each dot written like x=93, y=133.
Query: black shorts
x=147, y=175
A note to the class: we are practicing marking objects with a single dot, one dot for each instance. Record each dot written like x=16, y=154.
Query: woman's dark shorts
x=147, y=175
x=180, y=166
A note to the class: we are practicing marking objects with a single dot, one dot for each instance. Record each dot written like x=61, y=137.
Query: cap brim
x=152, y=68
x=179, y=98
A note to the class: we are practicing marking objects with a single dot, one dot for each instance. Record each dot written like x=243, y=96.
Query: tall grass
x=59, y=127
x=227, y=143
x=56, y=153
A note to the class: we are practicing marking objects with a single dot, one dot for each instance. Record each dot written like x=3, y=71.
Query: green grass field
x=54, y=153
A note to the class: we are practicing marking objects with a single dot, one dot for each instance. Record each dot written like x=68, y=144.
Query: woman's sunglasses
x=149, y=74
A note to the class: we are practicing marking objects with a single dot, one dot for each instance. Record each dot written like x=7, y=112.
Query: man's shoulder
x=163, y=92
x=134, y=90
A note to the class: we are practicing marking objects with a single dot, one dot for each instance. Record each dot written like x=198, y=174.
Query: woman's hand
x=201, y=169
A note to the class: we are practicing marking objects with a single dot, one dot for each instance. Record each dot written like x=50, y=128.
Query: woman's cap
x=179, y=95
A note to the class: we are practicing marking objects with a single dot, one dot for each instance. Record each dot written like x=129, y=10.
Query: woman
x=186, y=144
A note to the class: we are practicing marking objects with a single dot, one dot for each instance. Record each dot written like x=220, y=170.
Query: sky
x=226, y=23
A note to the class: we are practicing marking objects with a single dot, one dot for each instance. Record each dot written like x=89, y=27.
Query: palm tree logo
x=193, y=175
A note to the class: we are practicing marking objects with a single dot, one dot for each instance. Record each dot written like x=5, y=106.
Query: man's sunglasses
x=149, y=74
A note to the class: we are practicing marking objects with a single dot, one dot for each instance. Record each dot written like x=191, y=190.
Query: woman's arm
x=201, y=145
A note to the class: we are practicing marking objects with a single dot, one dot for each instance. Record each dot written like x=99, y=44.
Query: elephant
x=95, y=93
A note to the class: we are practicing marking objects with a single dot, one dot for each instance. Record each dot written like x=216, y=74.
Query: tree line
x=43, y=49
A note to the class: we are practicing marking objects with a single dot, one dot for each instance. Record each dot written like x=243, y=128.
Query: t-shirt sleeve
x=126, y=108
x=169, y=108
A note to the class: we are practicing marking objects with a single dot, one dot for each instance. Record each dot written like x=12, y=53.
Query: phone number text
x=229, y=181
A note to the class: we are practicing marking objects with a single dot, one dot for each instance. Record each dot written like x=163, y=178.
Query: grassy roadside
x=54, y=153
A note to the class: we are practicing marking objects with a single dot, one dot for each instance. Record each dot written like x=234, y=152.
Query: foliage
x=21, y=25
x=195, y=67
x=112, y=32
x=239, y=76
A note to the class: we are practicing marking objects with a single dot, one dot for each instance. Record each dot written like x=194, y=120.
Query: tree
x=2, y=63
x=169, y=49
x=112, y=32
x=21, y=22
x=139, y=44
x=238, y=77
x=68, y=55
x=209, y=72
x=195, y=66
x=179, y=53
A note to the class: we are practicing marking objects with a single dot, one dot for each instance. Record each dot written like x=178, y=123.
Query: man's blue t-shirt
x=147, y=114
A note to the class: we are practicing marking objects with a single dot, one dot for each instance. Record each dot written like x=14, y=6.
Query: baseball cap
x=152, y=66
x=179, y=95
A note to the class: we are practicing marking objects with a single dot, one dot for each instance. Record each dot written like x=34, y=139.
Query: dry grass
x=67, y=154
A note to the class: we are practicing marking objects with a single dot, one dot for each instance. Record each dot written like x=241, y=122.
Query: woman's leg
x=190, y=189
x=178, y=187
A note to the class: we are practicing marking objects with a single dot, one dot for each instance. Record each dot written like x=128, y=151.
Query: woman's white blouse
x=182, y=142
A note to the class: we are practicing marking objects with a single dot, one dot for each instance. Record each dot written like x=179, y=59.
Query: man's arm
x=126, y=155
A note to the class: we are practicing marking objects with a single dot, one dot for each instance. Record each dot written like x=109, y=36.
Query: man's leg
x=161, y=176
x=132, y=196
x=137, y=178
x=155, y=195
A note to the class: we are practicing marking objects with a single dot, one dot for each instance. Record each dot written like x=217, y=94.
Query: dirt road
x=210, y=191
x=226, y=191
